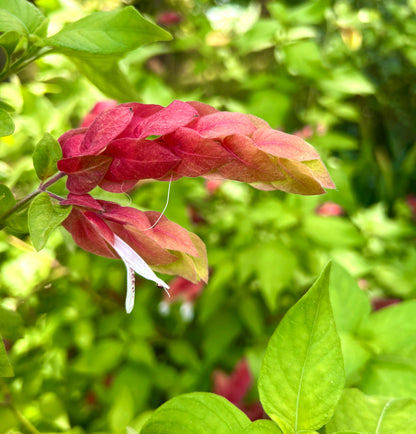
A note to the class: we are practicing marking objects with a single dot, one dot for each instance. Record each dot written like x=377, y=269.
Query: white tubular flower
x=134, y=263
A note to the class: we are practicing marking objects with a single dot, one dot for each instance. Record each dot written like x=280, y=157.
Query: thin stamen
x=164, y=209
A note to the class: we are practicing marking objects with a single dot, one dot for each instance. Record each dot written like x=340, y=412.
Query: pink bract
x=133, y=141
x=145, y=241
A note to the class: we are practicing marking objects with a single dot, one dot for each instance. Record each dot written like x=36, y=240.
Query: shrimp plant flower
x=119, y=145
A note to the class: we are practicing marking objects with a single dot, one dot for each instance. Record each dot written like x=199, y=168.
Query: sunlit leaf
x=262, y=427
x=45, y=156
x=302, y=374
x=25, y=17
x=114, y=32
x=43, y=218
x=6, y=124
x=196, y=413
x=365, y=414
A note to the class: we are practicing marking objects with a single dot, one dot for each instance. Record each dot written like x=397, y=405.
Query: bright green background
x=340, y=73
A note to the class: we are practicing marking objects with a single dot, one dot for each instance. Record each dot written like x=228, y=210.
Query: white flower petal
x=134, y=262
x=131, y=289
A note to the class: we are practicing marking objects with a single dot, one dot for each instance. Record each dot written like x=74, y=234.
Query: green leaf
x=390, y=376
x=122, y=410
x=6, y=369
x=104, y=73
x=350, y=304
x=6, y=124
x=45, y=156
x=7, y=199
x=275, y=265
x=101, y=358
x=347, y=81
x=392, y=330
x=303, y=361
x=18, y=221
x=27, y=18
x=115, y=32
x=356, y=354
x=304, y=58
x=312, y=12
x=43, y=218
x=196, y=413
x=219, y=334
x=332, y=232
x=53, y=410
x=262, y=427
x=9, y=41
x=11, y=324
x=372, y=414
x=10, y=23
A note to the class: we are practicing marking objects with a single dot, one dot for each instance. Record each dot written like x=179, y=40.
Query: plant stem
x=25, y=423
x=7, y=403
x=24, y=61
x=22, y=203
x=55, y=196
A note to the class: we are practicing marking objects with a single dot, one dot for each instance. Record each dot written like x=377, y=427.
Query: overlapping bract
x=96, y=225
x=133, y=141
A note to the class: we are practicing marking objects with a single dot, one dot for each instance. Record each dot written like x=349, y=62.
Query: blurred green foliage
x=342, y=74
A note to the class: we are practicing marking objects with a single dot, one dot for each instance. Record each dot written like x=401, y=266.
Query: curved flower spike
x=110, y=230
x=133, y=141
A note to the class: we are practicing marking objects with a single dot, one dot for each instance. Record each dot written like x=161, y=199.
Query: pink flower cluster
x=119, y=145
x=141, y=239
x=133, y=141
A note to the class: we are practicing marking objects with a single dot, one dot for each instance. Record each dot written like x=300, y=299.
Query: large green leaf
x=105, y=73
x=23, y=17
x=115, y=32
x=43, y=218
x=372, y=414
x=262, y=427
x=302, y=375
x=196, y=413
x=6, y=369
x=45, y=156
x=6, y=124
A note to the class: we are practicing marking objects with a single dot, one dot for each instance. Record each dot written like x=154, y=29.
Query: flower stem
x=22, y=203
